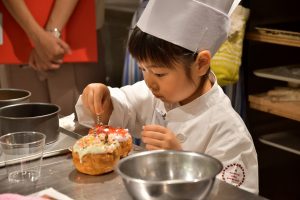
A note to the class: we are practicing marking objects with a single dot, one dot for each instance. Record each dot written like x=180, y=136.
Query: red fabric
x=79, y=33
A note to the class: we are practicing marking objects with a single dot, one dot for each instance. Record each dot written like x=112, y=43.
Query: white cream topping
x=120, y=137
x=92, y=144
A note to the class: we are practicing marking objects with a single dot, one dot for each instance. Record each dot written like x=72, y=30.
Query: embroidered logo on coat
x=234, y=174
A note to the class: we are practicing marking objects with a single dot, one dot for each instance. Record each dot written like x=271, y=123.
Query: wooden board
x=264, y=103
x=256, y=36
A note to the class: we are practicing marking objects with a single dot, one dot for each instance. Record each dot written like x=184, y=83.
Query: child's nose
x=154, y=87
x=151, y=83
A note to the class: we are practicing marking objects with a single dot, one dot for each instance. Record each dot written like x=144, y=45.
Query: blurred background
x=118, y=15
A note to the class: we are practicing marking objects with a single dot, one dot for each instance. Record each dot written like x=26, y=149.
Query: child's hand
x=159, y=137
x=96, y=97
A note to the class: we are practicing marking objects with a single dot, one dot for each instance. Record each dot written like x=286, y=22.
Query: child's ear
x=203, y=62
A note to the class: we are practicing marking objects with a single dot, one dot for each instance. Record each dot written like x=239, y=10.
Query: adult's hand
x=48, y=52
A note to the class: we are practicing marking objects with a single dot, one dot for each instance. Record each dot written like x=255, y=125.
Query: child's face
x=170, y=85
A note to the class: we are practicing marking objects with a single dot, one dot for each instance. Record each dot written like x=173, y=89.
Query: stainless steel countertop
x=59, y=173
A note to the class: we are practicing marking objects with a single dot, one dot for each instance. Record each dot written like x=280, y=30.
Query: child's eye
x=160, y=75
x=142, y=69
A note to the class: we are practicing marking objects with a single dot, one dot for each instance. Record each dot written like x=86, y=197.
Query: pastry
x=119, y=134
x=95, y=155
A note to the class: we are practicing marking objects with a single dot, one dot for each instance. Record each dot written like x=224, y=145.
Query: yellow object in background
x=227, y=61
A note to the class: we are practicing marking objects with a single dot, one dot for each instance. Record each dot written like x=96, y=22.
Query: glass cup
x=23, y=154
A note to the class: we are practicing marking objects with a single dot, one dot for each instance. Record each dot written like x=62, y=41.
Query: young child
x=179, y=105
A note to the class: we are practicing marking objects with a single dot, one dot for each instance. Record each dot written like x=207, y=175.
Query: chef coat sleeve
x=232, y=144
x=132, y=104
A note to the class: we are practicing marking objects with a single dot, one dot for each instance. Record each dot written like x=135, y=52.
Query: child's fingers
x=154, y=128
x=152, y=141
x=98, y=101
x=153, y=135
x=151, y=147
x=90, y=101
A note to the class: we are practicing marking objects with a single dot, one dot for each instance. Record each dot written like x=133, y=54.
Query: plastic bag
x=227, y=61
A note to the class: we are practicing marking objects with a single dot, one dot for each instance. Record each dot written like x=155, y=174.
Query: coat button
x=181, y=137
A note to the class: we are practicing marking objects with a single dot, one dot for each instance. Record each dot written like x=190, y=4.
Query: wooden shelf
x=287, y=141
x=274, y=39
x=263, y=102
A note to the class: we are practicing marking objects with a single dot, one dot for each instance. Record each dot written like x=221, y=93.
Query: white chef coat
x=208, y=125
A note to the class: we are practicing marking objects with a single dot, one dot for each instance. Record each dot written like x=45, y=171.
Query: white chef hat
x=192, y=24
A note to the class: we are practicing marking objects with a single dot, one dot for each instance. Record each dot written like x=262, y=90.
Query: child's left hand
x=159, y=137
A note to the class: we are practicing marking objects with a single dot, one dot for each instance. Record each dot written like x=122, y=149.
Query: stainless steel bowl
x=9, y=96
x=40, y=117
x=162, y=174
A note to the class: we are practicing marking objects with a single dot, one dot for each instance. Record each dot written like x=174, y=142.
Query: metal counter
x=59, y=173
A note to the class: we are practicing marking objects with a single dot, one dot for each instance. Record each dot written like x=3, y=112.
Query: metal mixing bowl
x=40, y=117
x=163, y=174
x=9, y=96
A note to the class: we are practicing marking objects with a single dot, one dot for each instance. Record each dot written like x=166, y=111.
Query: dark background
x=279, y=171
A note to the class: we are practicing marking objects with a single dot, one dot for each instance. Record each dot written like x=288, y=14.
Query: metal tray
x=285, y=140
x=290, y=73
x=65, y=140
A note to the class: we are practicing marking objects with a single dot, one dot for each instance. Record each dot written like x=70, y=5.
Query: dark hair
x=148, y=48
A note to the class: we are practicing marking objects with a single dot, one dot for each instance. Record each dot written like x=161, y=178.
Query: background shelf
x=264, y=103
x=284, y=73
x=288, y=141
x=275, y=39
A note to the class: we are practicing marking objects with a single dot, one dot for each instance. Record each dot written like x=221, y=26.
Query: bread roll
x=94, y=155
x=119, y=134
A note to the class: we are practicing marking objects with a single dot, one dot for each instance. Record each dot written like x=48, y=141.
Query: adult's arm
x=59, y=16
x=18, y=9
x=61, y=13
x=49, y=51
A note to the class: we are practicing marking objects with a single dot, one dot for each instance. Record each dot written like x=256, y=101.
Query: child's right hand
x=96, y=97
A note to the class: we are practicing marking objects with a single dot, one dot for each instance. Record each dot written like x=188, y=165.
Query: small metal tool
x=99, y=120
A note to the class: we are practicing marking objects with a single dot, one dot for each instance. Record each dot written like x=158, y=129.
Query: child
x=179, y=105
